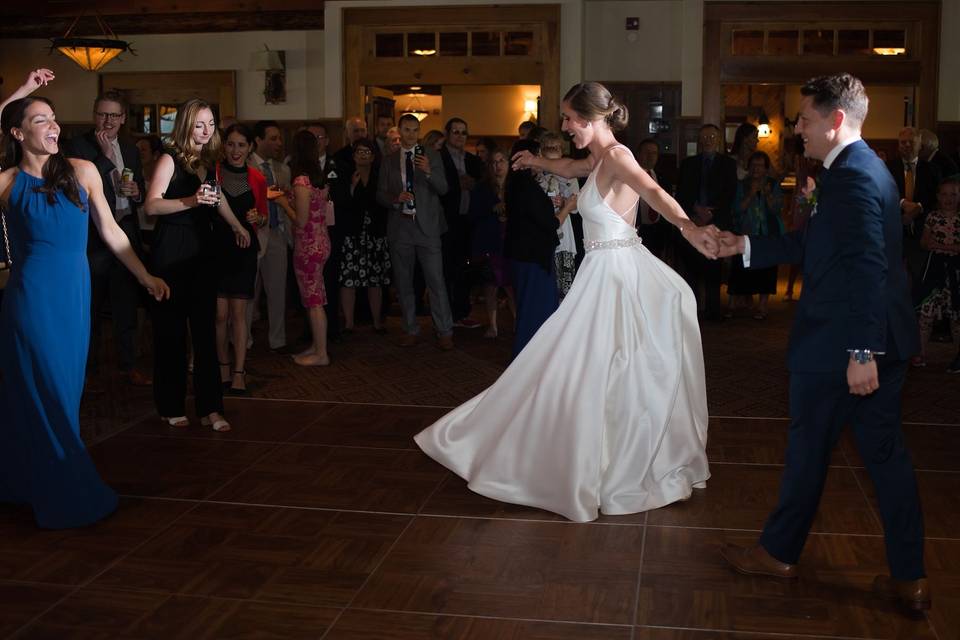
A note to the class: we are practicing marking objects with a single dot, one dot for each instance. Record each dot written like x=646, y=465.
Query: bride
x=605, y=410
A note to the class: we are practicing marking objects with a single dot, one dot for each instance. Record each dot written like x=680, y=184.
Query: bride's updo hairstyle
x=592, y=100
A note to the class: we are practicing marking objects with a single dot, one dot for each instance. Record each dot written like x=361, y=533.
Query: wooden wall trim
x=719, y=66
x=542, y=68
x=227, y=21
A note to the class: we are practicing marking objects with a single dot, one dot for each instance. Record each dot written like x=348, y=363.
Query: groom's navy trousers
x=855, y=296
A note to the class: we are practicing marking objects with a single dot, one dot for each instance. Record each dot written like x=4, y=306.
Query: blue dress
x=44, y=336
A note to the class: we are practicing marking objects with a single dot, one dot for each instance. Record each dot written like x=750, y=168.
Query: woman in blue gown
x=45, y=320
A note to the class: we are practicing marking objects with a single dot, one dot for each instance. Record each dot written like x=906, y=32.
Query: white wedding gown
x=605, y=409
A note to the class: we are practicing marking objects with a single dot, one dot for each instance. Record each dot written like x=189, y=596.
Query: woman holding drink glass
x=245, y=190
x=310, y=210
x=185, y=197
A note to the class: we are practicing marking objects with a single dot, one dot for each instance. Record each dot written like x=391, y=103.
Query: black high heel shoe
x=234, y=391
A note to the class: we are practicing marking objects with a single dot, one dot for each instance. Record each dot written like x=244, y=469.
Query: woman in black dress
x=366, y=258
x=245, y=190
x=183, y=251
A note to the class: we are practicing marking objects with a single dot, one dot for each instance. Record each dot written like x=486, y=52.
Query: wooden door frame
x=543, y=68
x=920, y=68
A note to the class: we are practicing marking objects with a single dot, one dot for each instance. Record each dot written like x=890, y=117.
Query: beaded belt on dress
x=619, y=243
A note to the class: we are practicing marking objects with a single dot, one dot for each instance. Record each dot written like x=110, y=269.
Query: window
x=518, y=43
x=747, y=43
x=783, y=42
x=389, y=45
x=453, y=44
x=421, y=44
x=818, y=42
x=485, y=43
x=853, y=42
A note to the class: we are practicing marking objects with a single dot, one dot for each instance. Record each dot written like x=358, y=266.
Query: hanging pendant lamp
x=91, y=53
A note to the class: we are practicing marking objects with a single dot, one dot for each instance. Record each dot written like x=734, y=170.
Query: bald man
x=917, y=181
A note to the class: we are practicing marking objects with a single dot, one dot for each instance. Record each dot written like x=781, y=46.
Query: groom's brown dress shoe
x=912, y=594
x=756, y=561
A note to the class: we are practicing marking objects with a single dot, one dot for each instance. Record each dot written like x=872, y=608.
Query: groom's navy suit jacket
x=855, y=291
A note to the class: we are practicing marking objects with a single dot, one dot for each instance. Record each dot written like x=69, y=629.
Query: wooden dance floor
x=318, y=518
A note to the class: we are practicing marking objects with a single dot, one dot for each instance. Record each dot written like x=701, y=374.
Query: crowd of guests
x=226, y=217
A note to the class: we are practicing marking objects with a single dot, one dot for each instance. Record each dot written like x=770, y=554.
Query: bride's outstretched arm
x=564, y=167
x=626, y=170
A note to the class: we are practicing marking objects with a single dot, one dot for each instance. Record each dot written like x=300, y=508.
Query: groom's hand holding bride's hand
x=703, y=239
x=730, y=244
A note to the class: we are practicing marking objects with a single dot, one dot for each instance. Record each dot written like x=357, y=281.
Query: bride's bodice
x=601, y=224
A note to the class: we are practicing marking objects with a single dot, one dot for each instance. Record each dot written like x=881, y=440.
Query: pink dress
x=311, y=247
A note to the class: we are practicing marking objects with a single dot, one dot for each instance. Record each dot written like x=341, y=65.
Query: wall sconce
x=763, y=125
x=274, y=66
x=531, y=109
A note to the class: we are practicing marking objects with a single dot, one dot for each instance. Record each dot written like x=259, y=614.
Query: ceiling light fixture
x=90, y=53
x=889, y=51
x=424, y=52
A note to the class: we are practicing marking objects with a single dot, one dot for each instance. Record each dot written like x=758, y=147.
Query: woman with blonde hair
x=185, y=196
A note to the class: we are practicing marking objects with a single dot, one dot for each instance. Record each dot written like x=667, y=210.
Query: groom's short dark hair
x=839, y=91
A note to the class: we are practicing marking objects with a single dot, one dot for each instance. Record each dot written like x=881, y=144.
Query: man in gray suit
x=411, y=183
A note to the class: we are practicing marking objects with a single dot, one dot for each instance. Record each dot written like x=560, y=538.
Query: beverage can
x=126, y=175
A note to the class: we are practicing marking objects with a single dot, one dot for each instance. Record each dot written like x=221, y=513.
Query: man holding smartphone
x=118, y=161
x=410, y=185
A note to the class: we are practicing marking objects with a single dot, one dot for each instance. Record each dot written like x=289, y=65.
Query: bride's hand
x=703, y=239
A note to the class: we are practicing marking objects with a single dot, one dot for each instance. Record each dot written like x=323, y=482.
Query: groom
x=853, y=334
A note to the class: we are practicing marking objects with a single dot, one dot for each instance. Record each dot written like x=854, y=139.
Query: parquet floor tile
x=686, y=584
x=939, y=499
x=369, y=426
x=173, y=467
x=511, y=569
x=291, y=556
x=95, y=614
x=741, y=497
x=377, y=625
x=337, y=478
x=21, y=603
x=74, y=557
x=753, y=441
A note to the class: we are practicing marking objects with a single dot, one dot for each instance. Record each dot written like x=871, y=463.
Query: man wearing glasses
x=462, y=169
x=118, y=162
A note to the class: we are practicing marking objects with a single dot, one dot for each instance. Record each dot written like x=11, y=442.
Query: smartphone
x=418, y=150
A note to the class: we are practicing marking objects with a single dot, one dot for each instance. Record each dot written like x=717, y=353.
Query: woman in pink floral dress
x=310, y=210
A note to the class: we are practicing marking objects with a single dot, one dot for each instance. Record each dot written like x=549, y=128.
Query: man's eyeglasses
x=458, y=133
x=108, y=116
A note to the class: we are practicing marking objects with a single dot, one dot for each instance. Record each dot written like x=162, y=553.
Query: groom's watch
x=863, y=356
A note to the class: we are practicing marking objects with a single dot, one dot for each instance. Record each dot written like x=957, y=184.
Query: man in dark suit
x=118, y=161
x=706, y=187
x=917, y=181
x=651, y=226
x=853, y=334
x=410, y=185
x=462, y=170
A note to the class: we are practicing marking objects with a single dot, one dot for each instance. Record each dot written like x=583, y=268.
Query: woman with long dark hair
x=47, y=202
x=309, y=208
x=185, y=197
x=245, y=189
x=745, y=142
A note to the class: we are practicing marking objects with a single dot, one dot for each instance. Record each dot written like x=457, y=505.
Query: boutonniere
x=809, y=202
